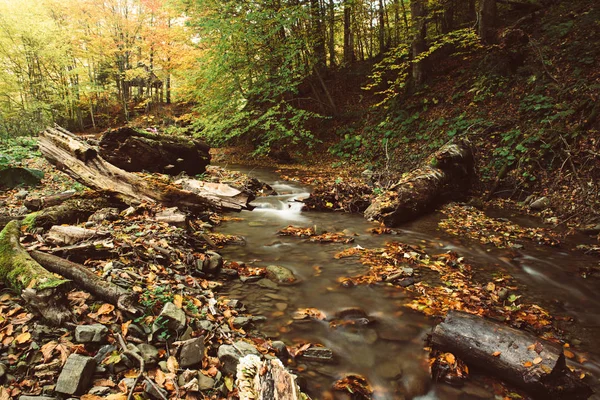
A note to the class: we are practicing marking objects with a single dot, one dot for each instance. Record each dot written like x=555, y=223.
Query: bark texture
x=445, y=176
x=136, y=151
x=87, y=280
x=518, y=357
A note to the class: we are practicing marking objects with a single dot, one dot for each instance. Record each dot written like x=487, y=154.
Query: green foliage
x=391, y=73
x=349, y=145
x=487, y=86
x=156, y=298
x=14, y=150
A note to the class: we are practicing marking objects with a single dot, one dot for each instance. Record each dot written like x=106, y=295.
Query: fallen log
x=137, y=151
x=5, y=219
x=37, y=203
x=70, y=212
x=265, y=380
x=88, y=281
x=40, y=288
x=67, y=235
x=522, y=359
x=445, y=176
x=88, y=168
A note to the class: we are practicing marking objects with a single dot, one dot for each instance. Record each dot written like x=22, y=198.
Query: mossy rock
x=16, y=176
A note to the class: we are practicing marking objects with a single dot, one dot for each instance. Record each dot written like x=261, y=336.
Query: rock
x=250, y=278
x=149, y=353
x=229, y=273
x=476, y=392
x=172, y=317
x=281, y=350
x=259, y=318
x=36, y=398
x=540, y=204
x=99, y=390
x=275, y=296
x=281, y=275
x=15, y=176
x=154, y=391
x=127, y=382
x=318, y=354
x=192, y=352
x=3, y=369
x=105, y=214
x=267, y=284
x=95, y=333
x=205, y=382
x=205, y=325
x=76, y=375
x=213, y=262
x=103, y=352
x=240, y=322
x=21, y=194
x=230, y=355
x=281, y=306
x=389, y=369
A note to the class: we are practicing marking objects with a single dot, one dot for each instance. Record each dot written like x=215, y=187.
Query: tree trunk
x=38, y=203
x=100, y=175
x=381, y=27
x=348, y=34
x=419, y=44
x=332, y=62
x=70, y=212
x=87, y=280
x=447, y=175
x=487, y=21
x=518, y=357
x=136, y=151
x=318, y=35
x=40, y=288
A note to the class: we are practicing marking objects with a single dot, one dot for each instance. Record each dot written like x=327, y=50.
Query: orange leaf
x=450, y=358
x=569, y=354
x=23, y=337
x=105, y=309
x=496, y=353
x=125, y=328
x=527, y=364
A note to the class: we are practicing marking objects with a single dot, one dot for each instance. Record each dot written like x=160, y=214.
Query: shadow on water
x=389, y=350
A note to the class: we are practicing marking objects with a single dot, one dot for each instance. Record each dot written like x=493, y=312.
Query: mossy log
x=445, y=176
x=39, y=287
x=71, y=211
x=37, y=203
x=136, y=151
x=533, y=364
x=88, y=281
x=88, y=168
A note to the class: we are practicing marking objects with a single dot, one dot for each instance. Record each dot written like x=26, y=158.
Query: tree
x=487, y=20
x=419, y=44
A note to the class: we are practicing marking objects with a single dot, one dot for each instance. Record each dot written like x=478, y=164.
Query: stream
x=389, y=353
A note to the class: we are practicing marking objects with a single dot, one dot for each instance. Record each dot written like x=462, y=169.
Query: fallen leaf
x=569, y=354
x=172, y=365
x=450, y=358
x=23, y=337
x=105, y=309
x=537, y=360
x=125, y=328
x=178, y=300
x=527, y=364
x=496, y=353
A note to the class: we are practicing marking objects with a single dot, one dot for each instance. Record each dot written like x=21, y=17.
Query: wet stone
x=406, y=282
x=281, y=275
x=281, y=350
x=275, y=296
x=322, y=354
x=95, y=333
x=213, y=262
x=103, y=352
x=99, y=390
x=76, y=375
x=192, y=352
x=240, y=322
x=155, y=392
x=475, y=391
x=205, y=325
x=389, y=370
x=251, y=278
x=281, y=306
x=268, y=284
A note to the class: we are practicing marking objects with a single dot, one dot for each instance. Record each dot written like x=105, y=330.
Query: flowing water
x=389, y=353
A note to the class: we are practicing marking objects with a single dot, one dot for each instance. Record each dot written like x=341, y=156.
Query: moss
x=29, y=220
x=17, y=269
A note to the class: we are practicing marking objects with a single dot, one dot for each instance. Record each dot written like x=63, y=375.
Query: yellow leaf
x=450, y=359
x=178, y=300
x=125, y=328
x=537, y=360
x=116, y=396
x=105, y=309
x=569, y=354
x=23, y=337
x=172, y=365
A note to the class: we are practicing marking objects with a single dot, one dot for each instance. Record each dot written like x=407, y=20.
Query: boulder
x=149, y=353
x=76, y=375
x=170, y=317
x=16, y=176
x=212, y=263
x=540, y=204
x=230, y=355
x=281, y=275
x=191, y=353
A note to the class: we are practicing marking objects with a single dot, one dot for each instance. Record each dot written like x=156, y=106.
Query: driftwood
x=445, y=176
x=136, y=151
x=87, y=280
x=38, y=203
x=535, y=365
x=81, y=252
x=39, y=287
x=68, y=235
x=84, y=164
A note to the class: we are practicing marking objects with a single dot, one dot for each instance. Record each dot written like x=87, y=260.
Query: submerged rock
x=230, y=354
x=281, y=275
